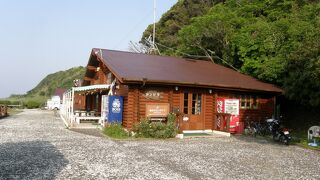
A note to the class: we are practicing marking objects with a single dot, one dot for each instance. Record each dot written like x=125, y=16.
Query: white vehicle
x=54, y=103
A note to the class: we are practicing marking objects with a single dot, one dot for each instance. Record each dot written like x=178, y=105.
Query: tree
x=303, y=73
x=176, y=18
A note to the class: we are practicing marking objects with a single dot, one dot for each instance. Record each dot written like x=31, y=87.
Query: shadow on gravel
x=30, y=160
x=258, y=140
x=90, y=132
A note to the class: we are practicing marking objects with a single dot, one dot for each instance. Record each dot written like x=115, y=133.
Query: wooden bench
x=88, y=118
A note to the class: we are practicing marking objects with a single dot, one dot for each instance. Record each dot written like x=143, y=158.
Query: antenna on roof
x=101, y=54
x=153, y=49
x=154, y=22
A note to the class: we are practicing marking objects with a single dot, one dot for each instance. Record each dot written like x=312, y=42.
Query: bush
x=115, y=130
x=5, y=102
x=148, y=129
x=32, y=104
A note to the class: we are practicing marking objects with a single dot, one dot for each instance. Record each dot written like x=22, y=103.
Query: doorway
x=193, y=111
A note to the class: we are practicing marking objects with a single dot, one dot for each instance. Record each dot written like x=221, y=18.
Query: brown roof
x=59, y=92
x=134, y=67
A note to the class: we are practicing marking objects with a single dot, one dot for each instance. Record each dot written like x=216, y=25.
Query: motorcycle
x=278, y=133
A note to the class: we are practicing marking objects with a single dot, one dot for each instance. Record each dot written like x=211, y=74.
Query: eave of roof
x=195, y=84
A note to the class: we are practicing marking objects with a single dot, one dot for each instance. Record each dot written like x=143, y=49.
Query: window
x=248, y=102
x=196, y=104
x=193, y=101
x=185, y=103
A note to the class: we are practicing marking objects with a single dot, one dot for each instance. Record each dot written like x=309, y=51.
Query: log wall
x=3, y=111
x=135, y=104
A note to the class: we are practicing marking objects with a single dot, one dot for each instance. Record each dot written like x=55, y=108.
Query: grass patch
x=116, y=131
x=300, y=138
x=304, y=143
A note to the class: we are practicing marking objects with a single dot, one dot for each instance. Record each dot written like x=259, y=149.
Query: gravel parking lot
x=36, y=145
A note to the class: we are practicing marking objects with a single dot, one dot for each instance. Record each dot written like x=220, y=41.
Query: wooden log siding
x=130, y=109
x=3, y=110
x=135, y=103
x=175, y=98
x=79, y=101
x=165, y=98
x=265, y=107
x=209, y=111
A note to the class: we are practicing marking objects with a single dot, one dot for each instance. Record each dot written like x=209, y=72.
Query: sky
x=40, y=37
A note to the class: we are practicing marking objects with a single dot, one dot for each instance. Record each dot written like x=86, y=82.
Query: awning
x=92, y=87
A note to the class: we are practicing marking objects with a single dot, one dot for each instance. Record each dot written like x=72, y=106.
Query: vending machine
x=232, y=107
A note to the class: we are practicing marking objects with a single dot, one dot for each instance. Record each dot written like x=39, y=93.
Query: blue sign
x=115, y=109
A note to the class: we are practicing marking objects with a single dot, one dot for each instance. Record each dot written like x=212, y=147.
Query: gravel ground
x=36, y=145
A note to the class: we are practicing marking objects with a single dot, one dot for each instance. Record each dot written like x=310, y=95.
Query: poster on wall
x=230, y=106
x=104, y=108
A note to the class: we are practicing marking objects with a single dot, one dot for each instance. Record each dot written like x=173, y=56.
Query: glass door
x=192, y=109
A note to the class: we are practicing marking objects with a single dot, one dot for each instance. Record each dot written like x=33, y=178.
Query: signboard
x=230, y=106
x=152, y=95
x=114, y=105
x=157, y=109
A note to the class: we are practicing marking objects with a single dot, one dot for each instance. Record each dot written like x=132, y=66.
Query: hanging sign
x=152, y=95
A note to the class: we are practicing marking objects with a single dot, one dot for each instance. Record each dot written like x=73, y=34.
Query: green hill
x=61, y=79
x=47, y=86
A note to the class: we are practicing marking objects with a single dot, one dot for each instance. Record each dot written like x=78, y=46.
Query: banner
x=115, y=108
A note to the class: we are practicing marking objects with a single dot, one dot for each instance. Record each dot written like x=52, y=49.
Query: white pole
x=154, y=24
x=72, y=102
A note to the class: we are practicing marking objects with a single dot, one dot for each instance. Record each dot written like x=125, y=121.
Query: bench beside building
x=190, y=88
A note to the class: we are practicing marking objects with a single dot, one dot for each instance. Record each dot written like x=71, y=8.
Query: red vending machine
x=232, y=107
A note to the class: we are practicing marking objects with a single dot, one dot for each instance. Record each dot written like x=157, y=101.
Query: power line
x=197, y=56
x=189, y=55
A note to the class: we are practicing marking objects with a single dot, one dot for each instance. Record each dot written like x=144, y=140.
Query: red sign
x=230, y=106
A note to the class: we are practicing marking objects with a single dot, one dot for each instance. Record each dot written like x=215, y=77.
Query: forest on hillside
x=45, y=89
x=276, y=41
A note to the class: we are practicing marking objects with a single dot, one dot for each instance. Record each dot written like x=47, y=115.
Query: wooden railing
x=222, y=122
x=3, y=110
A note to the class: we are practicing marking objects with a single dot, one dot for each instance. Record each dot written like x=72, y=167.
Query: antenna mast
x=151, y=41
x=154, y=24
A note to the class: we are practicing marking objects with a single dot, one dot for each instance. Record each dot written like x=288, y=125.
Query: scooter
x=278, y=133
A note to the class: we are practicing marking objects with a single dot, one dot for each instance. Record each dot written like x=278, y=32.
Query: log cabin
x=3, y=110
x=152, y=86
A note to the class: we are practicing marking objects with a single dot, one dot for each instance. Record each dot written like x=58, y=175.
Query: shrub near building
x=148, y=129
x=32, y=104
x=115, y=130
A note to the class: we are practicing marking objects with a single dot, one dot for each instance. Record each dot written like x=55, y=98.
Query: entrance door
x=193, y=111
